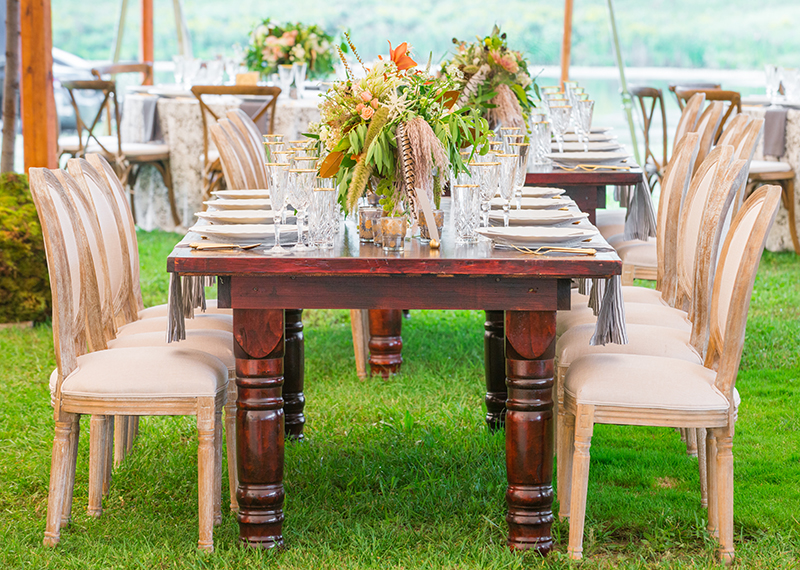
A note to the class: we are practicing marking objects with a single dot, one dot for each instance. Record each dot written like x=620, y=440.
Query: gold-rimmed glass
x=301, y=184
x=278, y=174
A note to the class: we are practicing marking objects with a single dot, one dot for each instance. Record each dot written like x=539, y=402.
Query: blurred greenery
x=731, y=34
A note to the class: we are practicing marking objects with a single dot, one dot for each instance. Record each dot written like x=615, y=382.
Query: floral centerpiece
x=494, y=78
x=396, y=131
x=274, y=44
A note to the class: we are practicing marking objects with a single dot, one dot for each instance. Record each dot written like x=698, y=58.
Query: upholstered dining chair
x=212, y=170
x=127, y=157
x=95, y=381
x=94, y=203
x=624, y=389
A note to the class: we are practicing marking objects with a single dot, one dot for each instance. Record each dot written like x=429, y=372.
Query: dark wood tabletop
x=527, y=289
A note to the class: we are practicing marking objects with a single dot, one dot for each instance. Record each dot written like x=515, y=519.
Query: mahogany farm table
x=588, y=189
x=529, y=290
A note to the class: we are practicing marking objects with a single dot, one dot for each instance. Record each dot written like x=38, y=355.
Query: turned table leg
x=294, y=362
x=259, y=349
x=385, y=342
x=494, y=362
x=530, y=346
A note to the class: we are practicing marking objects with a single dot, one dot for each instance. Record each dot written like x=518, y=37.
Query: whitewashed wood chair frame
x=707, y=126
x=80, y=343
x=688, y=121
x=704, y=398
x=253, y=145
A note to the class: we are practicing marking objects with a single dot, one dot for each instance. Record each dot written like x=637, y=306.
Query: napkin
x=775, y=131
x=251, y=108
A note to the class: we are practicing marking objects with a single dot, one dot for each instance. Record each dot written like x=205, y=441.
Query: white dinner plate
x=537, y=217
x=139, y=88
x=552, y=203
x=170, y=91
x=593, y=146
x=594, y=130
x=591, y=157
x=244, y=233
x=593, y=137
x=239, y=204
x=538, y=235
x=237, y=216
x=242, y=194
x=541, y=192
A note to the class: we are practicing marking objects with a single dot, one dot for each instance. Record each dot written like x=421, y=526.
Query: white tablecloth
x=182, y=129
x=779, y=238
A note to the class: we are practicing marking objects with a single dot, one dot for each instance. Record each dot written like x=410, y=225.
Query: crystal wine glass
x=559, y=121
x=583, y=120
x=508, y=167
x=278, y=174
x=486, y=175
x=301, y=182
x=521, y=149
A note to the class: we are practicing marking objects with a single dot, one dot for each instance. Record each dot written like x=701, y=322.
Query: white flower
x=396, y=104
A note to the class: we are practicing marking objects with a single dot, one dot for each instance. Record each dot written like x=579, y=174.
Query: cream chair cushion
x=648, y=340
x=627, y=380
x=215, y=342
x=635, y=314
x=767, y=166
x=639, y=254
x=618, y=240
x=610, y=217
x=159, y=324
x=630, y=294
x=146, y=373
x=162, y=310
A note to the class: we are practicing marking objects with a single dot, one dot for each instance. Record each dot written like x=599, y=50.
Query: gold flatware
x=555, y=249
x=593, y=167
x=210, y=246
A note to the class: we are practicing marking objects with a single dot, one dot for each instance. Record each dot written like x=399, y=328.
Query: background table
x=182, y=129
x=779, y=238
x=588, y=189
x=529, y=289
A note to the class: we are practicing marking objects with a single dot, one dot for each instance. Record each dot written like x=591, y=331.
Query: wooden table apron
x=528, y=290
x=588, y=189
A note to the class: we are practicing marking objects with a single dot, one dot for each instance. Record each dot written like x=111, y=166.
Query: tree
x=10, y=86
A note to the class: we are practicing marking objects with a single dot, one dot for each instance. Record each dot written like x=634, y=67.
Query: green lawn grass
x=402, y=473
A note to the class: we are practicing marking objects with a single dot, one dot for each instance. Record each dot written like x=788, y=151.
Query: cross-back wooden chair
x=732, y=98
x=690, y=85
x=114, y=69
x=98, y=382
x=212, y=169
x=651, y=100
x=127, y=158
x=624, y=389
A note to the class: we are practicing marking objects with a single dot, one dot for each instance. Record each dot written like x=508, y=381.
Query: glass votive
x=393, y=233
x=322, y=217
x=368, y=222
x=424, y=229
x=466, y=212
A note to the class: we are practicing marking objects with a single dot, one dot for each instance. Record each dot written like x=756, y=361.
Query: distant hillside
x=684, y=33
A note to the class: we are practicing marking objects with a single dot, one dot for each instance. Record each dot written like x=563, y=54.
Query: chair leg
x=691, y=442
x=711, y=478
x=66, y=509
x=359, y=326
x=108, y=465
x=230, y=442
x=566, y=444
x=205, y=472
x=725, y=496
x=130, y=435
x=59, y=468
x=120, y=438
x=628, y=272
x=218, y=467
x=788, y=202
x=584, y=427
x=702, y=463
x=166, y=176
x=97, y=463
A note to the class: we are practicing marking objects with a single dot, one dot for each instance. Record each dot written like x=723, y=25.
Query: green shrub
x=24, y=284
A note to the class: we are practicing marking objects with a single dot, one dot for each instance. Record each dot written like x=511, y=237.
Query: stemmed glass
x=300, y=69
x=508, y=167
x=278, y=174
x=559, y=121
x=486, y=174
x=583, y=120
x=301, y=184
x=285, y=77
x=521, y=149
x=540, y=146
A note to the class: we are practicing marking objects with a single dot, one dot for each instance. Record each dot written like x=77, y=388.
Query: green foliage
x=24, y=282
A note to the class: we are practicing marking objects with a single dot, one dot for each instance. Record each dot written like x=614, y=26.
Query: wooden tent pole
x=566, y=43
x=147, y=52
x=123, y=10
x=39, y=120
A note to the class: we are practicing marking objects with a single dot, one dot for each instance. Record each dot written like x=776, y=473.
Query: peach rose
x=367, y=113
x=366, y=96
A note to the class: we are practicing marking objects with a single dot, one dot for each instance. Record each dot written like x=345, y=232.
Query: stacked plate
x=602, y=146
x=527, y=203
x=541, y=192
x=537, y=236
x=241, y=217
x=538, y=217
x=572, y=159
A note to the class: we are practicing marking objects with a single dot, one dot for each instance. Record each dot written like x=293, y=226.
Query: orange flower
x=400, y=57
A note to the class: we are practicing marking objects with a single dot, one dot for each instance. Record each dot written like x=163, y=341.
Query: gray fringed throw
x=611, y=319
x=583, y=285
x=596, y=295
x=640, y=221
x=176, y=326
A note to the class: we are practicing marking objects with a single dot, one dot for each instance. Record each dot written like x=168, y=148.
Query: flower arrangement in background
x=493, y=77
x=274, y=44
x=394, y=130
